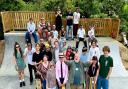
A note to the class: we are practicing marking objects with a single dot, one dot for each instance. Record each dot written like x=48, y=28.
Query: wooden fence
x=18, y=20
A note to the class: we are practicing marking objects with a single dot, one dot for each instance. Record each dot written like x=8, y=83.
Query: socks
x=22, y=80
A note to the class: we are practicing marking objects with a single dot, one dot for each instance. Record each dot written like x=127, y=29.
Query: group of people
x=55, y=64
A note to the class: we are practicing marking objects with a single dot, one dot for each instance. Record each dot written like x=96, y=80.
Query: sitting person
x=42, y=28
x=55, y=32
x=84, y=55
x=31, y=32
x=91, y=35
x=68, y=52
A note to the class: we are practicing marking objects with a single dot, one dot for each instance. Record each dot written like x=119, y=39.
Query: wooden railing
x=18, y=20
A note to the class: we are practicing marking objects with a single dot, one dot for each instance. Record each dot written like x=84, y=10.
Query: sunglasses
x=17, y=46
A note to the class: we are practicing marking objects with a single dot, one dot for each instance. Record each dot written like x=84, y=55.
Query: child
x=51, y=77
x=106, y=64
x=92, y=74
x=68, y=52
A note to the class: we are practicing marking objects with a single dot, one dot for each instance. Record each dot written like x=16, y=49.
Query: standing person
x=58, y=20
x=37, y=56
x=28, y=53
x=94, y=50
x=91, y=35
x=48, y=52
x=31, y=31
x=81, y=36
x=42, y=70
x=41, y=28
x=55, y=32
x=42, y=45
x=105, y=69
x=84, y=55
x=69, y=30
x=92, y=74
x=76, y=19
x=76, y=73
x=51, y=77
x=19, y=63
x=55, y=51
x=61, y=72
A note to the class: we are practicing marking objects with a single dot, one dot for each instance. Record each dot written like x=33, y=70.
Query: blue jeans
x=44, y=84
x=28, y=37
x=102, y=82
x=69, y=32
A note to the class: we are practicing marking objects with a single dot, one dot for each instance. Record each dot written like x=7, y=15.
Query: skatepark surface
x=9, y=77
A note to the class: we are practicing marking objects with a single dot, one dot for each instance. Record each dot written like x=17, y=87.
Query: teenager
x=81, y=36
x=92, y=74
x=69, y=29
x=28, y=53
x=105, y=69
x=76, y=19
x=19, y=63
x=31, y=31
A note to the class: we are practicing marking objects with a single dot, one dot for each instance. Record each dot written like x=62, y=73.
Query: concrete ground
x=9, y=78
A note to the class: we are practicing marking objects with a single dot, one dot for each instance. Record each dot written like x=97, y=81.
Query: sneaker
x=23, y=83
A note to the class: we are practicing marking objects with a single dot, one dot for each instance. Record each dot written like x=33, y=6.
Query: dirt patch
x=2, y=49
x=124, y=55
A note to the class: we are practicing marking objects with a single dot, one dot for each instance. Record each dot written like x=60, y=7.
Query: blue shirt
x=84, y=57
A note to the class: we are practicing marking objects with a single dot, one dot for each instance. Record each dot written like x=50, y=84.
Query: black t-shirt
x=49, y=54
x=92, y=70
x=37, y=57
x=69, y=21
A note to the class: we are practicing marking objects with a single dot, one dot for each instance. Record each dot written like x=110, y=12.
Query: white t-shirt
x=91, y=33
x=94, y=52
x=55, y=33
x=29, y=55
x=76, y=18
x=31, y=27
x=81, y=33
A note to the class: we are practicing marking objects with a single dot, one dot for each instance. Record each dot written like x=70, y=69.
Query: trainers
x=23, y=83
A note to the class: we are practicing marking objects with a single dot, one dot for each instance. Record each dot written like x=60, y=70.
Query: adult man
x=28, y=53
x=81, y=36
x=76, y=19
x=69, y=30
x=61, y=71
x=31, y=31
x=77, y=74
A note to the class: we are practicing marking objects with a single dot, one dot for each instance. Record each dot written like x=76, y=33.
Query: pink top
x=58, y=71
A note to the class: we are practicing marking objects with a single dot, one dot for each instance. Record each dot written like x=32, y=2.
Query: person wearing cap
x=68, y=52
x=31, y=32
x=41, y=27
x=81, y=36
x=61, y=72
x=77, y=73
x=55, y=32
x=28, y=53
x=84, y=55
x=48, y=52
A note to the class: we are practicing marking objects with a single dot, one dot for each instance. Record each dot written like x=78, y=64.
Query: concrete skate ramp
x=7, y=67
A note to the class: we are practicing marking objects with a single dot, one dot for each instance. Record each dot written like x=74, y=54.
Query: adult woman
x=19, y=63
x=58, y=20
x=42, y=70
